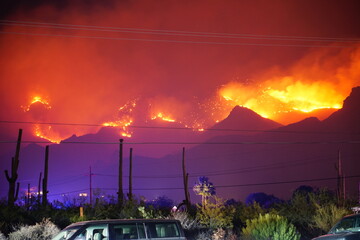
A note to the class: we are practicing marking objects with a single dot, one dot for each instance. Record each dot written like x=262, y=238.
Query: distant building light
x=83, y=194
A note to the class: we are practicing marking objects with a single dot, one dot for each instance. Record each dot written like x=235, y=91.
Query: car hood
x=339, y=236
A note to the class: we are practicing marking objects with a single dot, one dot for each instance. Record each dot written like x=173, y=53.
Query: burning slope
x=319, y=81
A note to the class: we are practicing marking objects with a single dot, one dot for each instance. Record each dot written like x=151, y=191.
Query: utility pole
x=120, y=190
x=340, y=179
x=45, y=180
x=39, y=189
x=130, y=175
x=28, y=197
x=90, y=187
x=185, y=180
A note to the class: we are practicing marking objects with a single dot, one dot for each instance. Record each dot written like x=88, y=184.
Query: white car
x=119, y=229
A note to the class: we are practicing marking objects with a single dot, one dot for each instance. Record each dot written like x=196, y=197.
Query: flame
x=163, y=117
x=309, y=97
x=270, y=102
x=36, y=99
x=123, y=124
x=125, y=119
x=45, y=133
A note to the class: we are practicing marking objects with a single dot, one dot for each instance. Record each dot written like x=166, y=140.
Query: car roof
x=109, y=221
x=352, y=215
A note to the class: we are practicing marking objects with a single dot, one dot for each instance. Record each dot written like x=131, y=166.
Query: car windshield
x=66, y=233
x=349, y=224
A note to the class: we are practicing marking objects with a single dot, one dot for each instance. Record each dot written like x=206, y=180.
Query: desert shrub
x=187, y=222
x=215, y=214
x=149, y=212
x=270, y=226
x=204, y=235
x=326, y=216
x=44, y=230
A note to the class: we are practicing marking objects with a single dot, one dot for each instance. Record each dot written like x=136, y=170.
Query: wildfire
x=163, y=117
x=269, y=102
x=124, y=119
x=37, y=99
x=308, y=97
x=123, y=124
x=39, y=132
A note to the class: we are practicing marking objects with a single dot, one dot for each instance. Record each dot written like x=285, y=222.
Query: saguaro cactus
x=13, y=185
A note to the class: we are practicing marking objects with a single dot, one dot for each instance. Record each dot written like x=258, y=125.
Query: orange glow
x=163, y=117
x=270, y=102
x=44, y=133
x=123, y=124
x=309, y=97
x=37, y=99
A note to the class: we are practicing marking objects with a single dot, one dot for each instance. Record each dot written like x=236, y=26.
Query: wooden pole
x=90, y=190
x=120, y=185
x=45, y=180
x=130, y=175
x=39, y=188
x=28, y=197
x=185, y=181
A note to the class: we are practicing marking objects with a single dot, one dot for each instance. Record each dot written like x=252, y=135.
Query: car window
x=93, y=232
x=65, y=234
x=346, y=224
x=128, y=231
x=163, y=230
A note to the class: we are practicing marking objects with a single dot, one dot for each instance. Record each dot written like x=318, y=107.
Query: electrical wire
x=226, y=186
x=198, y=143
x=176, y=41
x=178, y=128
x=172, y=32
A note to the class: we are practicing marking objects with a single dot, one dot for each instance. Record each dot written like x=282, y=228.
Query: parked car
x=347, y=228
x=119, y=229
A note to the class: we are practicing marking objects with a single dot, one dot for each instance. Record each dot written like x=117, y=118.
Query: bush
x=187, y=222
x=216, y=215
x=44, y=230
x=270, y=226
x=326, y=216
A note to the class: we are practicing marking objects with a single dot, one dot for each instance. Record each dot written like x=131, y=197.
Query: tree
x=205, y=189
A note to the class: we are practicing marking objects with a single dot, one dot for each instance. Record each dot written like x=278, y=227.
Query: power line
x=176, y=41
x=229, y=186
x=199, y=143
x=176, y=128
x=173, y=32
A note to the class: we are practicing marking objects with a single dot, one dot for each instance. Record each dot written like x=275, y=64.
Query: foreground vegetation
x=307, y=214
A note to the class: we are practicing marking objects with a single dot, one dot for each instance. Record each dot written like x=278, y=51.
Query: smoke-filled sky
x=191, y=62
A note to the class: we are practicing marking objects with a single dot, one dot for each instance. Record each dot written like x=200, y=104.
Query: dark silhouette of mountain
x=241, y=118
x=240, y=121
x=347, y=118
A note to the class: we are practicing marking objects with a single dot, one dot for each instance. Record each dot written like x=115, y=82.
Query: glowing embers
x=163, y=117
x=45, y=132
x=124, y=119
x=37, y=99
x=123, y=124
